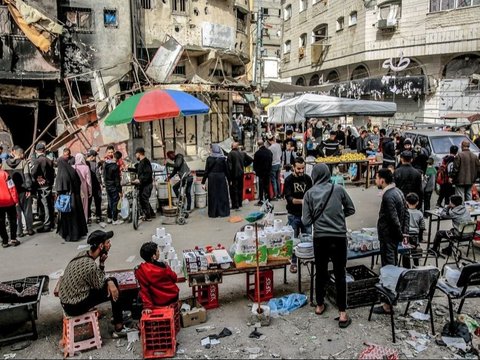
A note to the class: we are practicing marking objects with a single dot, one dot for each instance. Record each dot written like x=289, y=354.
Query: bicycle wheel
x=135, y=213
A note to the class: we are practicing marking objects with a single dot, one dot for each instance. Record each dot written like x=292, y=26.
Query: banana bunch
x=341, y=158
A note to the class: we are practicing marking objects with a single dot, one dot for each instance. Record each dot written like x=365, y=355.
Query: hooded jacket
x=388, y=148
x=157, y=284
x=111, y=176
x=459, y=215
x=331, y=222
x=19, y=171
x=393, y=218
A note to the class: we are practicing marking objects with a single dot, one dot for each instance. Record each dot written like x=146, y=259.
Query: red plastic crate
x=176, y=315
x=158, y=334
x=266, y=285
x=249, y=187
x=206, y=295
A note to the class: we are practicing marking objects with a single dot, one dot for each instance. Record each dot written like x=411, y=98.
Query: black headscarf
x=67, y=177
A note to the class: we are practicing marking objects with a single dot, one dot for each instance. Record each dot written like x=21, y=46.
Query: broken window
x=302, y=41
x=79, y=19
x=303, y=5
x=353, y=18
x=146, y=4
x=110, y=18
x=180, y=70
x=320, y=33
x=265, y=11
x=287, y=13
x=216, y=72
x=340, y=23
x=287, y=46
x=241, y=21
x=179, y=7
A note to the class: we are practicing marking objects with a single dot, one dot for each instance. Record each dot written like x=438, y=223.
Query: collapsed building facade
x=58, y=83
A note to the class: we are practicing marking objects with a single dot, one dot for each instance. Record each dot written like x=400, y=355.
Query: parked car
x=439, y=142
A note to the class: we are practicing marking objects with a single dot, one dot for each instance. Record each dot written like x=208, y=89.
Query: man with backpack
x=444, y=179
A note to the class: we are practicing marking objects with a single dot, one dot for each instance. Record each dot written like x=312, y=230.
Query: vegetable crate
x=361, y=291
x=206, y=295
x=158, y=334
x=265, y=288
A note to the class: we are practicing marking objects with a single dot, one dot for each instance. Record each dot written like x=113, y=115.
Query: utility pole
x=257, y=70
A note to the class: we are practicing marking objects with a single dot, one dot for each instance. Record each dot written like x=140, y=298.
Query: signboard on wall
x=218, y=36
x=165, y=60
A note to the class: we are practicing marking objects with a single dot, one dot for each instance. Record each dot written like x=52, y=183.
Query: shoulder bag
x=64, y=203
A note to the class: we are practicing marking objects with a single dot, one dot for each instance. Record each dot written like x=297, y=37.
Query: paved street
x=300, y=334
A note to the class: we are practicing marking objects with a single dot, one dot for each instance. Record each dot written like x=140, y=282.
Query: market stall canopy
x=156, y=105
x=300, y=108
x=275, y=87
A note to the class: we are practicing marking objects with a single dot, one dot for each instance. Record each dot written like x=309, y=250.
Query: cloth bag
x=64, y=203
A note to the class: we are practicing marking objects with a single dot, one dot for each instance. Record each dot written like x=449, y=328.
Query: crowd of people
x=72, y=185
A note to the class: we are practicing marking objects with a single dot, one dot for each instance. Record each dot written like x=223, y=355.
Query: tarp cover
x=300, y=108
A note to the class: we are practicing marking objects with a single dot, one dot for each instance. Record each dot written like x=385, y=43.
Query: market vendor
x=84, y=285
x=156, y=279
x=330, y=147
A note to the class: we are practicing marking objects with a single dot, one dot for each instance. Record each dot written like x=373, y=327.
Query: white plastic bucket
x=198, y=188
x=162, y=190
x=201, y=200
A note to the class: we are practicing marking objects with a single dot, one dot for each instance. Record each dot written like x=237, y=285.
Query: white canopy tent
x=298, y=109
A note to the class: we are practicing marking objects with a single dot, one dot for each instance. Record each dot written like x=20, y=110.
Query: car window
x=441, y=144
x=423, y=139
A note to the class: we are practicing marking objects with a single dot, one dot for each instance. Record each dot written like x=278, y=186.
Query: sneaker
x=109, y=221
x=117, y=222
x=122, y=333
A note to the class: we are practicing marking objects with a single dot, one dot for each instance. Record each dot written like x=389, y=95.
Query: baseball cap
x=92, y=152
x=40, y=146
x=407, y=155
x=99, y=236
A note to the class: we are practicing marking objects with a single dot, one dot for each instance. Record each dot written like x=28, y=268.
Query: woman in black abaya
x=216, y=171
x=72, y=225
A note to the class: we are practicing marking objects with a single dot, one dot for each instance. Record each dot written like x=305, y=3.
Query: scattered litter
x=208, y=341
x=82, y=247
x=440, y=312
x=9, y=356
x=374, y=351
x=253, y=350
x=103, y=225
x=275, y=356
x=204, y=328
x=255, y=334
x=55, y=275
x=471, y=323
x=286, y=304
x=185, y=307
x=120, y=343
x=416, y=335
x=224, y=333
x=130, y=346
x=417, y=315
x=20, y=346
x=130, y=259
x=419, y=345
x=455, y=342
x=180, y=351
x=132, y=336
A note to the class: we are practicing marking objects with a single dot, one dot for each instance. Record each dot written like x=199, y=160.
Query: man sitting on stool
x=84, y=285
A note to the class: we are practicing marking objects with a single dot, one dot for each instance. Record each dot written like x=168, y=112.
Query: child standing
x=431, y=176
x=415, y=229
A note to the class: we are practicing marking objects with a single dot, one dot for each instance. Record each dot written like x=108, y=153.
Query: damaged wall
x=99, y=36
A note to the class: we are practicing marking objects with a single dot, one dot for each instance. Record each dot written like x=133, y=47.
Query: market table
x=351, y=255
x=358, y=162
x=434, y=216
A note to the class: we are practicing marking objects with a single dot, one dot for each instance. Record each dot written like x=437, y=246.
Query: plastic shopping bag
x=286, y=304
x=125, y=208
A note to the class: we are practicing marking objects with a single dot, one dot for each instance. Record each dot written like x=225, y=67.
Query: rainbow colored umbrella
x=156, y=105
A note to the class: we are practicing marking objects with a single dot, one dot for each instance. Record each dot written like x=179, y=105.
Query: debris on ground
x=20, y=346
x=204, y=328
x=417, y=315
x=374, y=352
x=455, y=343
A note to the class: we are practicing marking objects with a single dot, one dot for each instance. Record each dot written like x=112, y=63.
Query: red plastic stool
x=80, y=333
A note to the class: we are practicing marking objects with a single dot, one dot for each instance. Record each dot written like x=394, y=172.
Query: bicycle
x=134, y=205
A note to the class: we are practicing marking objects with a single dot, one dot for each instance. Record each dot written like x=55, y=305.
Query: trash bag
x=124, y=208
x=286, y=304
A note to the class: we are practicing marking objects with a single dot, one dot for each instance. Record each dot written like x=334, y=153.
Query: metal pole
x=258, y=43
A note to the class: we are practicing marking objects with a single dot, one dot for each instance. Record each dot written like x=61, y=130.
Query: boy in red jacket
x=8, y=203
x=157, y=280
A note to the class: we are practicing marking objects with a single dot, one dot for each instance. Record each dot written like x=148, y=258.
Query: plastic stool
x=80, y=333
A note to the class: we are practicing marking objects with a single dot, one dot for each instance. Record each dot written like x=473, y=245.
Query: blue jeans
x=275, y=175
x=296, y=223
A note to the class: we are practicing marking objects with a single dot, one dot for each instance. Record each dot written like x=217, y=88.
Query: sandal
x=321, y=312
x=345, y=324
x=14, y=242
x=379, y=310
x=293, y=269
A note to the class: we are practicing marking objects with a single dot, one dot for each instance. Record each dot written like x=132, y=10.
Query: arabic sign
x=218, y=36
x=165, y=60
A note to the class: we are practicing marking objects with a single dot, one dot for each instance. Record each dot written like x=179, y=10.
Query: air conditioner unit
x=387, y=24
x=301, y=52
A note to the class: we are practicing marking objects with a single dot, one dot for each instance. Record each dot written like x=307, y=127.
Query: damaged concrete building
x=64, y=80
x=424, y=55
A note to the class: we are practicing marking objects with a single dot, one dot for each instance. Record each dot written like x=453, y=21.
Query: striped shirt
x=330, y=147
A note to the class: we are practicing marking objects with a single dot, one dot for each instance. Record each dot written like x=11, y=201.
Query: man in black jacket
x=43, y=176
x=388, y=150
x=295, y=187
x=407, y=178
x=236, y=161
x=262, y=165
x=144, y=180
x=181, y=168
x=112, y=181
x=392, y=225
x=96, y=186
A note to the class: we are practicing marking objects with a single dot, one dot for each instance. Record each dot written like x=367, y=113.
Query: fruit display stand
x=349, y=159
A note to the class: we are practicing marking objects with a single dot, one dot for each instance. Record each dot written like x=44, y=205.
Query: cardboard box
x=197, y=315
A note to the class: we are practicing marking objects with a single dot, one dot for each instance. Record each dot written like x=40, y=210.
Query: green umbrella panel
x=123, y=113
